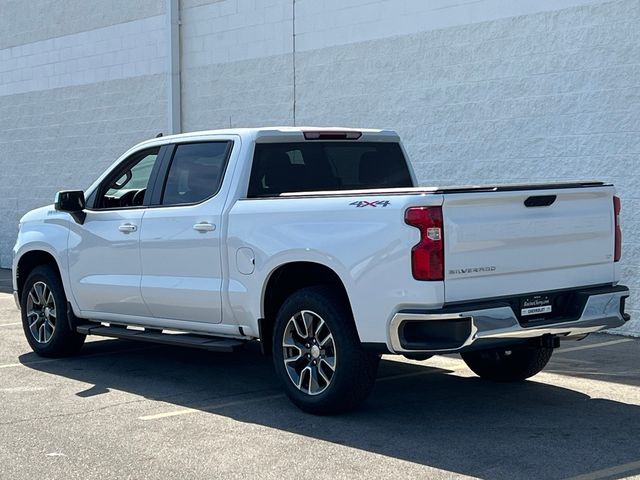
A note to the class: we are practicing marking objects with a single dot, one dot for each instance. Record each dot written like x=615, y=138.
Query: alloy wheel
x=309, y=352
x=41, y=312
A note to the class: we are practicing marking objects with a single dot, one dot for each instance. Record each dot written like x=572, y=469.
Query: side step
x=215, y=344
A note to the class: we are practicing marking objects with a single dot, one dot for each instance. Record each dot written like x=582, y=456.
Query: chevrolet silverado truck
x=318, y=244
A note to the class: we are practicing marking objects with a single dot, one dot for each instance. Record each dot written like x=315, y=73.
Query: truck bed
x=506, y=187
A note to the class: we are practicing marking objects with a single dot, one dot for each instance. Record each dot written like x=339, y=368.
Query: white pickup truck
x=318, y=244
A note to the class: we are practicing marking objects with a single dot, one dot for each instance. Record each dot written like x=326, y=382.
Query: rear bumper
x=474, y=326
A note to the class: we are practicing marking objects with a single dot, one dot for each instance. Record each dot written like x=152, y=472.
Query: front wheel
x=317, y=353
x=508, y=364
x=44, y=315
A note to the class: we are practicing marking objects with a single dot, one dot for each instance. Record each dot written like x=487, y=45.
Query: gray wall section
x=545, y=97
x=257, y=92
x=237, y=63
x=64, y=138
x=538, y=97
x=196, y=3
x=26, y=21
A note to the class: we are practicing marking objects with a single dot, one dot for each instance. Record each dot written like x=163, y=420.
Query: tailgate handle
x=540, y=201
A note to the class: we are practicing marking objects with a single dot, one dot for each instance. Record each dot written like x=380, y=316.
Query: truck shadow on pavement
x=416, y=413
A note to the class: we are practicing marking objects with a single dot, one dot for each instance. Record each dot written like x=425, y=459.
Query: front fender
x=50, y=235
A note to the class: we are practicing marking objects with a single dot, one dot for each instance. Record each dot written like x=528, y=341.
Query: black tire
x=63, y=341
x=508, y=364
x=355, y=369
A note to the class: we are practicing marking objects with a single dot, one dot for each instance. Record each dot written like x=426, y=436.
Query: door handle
x=203, y=227
x=127, y=228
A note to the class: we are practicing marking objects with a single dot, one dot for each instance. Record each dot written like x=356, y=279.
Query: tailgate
x=496, y=245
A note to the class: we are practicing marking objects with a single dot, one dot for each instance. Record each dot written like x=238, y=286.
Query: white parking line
x=416, y=374
x=186, y=411
x=608, y=472
x=10, y=324
x=11, y=365
x=593, y=345
x=404, y=375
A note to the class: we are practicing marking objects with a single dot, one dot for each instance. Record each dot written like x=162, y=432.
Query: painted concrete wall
x=237, y=63
x=72, y=102
x=481, y=91
x=489, y=91
x=24, y=22
x=543, y=97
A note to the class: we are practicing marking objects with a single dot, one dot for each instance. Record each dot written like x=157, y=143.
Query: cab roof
x=282, y=134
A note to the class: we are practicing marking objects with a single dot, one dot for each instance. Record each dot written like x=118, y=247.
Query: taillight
x=617, y=250
x=427, y=257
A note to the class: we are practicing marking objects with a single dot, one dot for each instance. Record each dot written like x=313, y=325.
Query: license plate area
x=540, y=308
x=536, y=306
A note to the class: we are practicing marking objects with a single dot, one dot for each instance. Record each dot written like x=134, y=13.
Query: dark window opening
x=127, y=185
x=320, y=166
x=195, y=173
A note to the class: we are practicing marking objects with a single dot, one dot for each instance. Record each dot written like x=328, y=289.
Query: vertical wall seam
x=293, y=59
x=174, y=97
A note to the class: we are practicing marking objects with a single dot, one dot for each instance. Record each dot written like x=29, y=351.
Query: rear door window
x=320, y=166
x=196, y=172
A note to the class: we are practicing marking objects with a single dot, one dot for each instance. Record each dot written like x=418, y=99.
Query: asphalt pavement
x=5, y=281
x=132, y=410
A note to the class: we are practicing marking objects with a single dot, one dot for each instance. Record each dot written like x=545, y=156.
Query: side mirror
x=71, y=201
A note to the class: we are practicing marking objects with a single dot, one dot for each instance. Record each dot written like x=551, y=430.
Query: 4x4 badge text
x=375, y=203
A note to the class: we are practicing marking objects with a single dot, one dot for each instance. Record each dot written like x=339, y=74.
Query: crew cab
x=318, y=244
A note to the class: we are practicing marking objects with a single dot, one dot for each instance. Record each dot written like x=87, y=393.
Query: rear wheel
x=508, y=364
x=317, y=353
x=44, y=315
